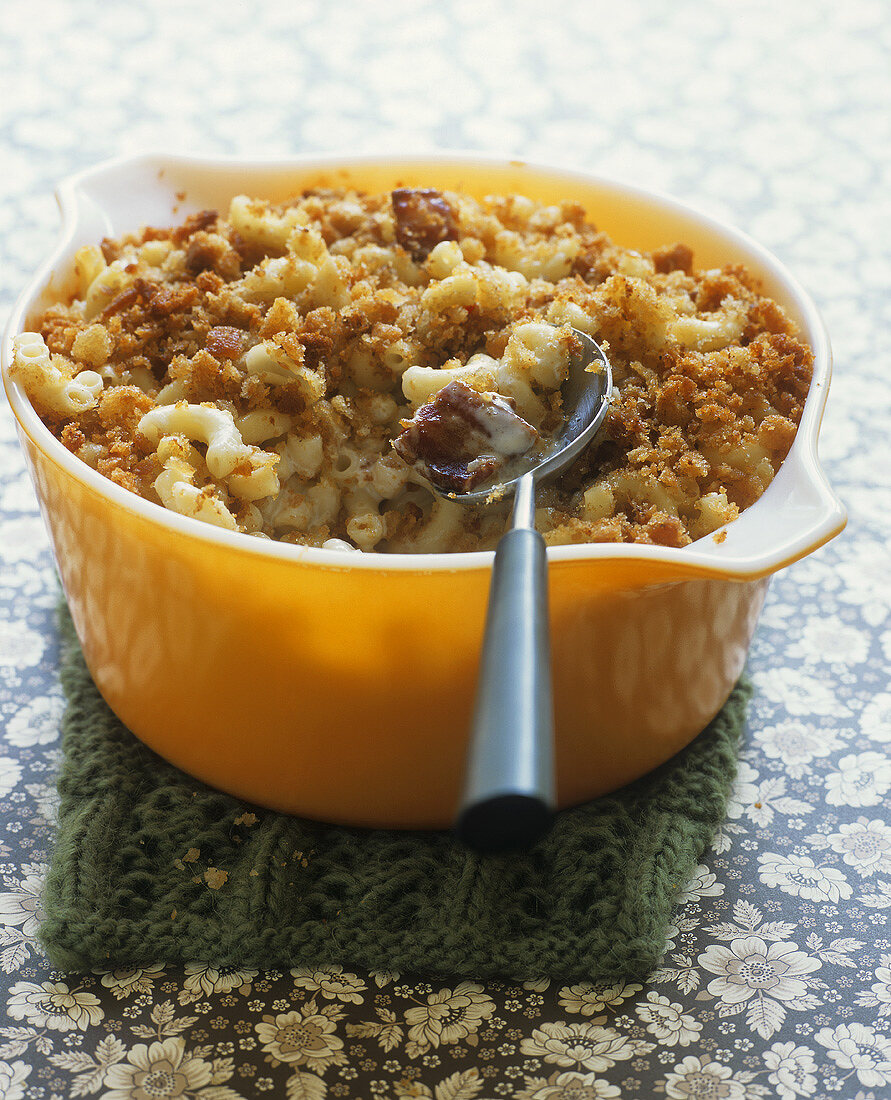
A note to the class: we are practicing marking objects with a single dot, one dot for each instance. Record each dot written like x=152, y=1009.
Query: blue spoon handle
x=509, y=795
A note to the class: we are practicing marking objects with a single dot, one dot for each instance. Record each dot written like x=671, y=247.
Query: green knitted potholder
x=150, y=865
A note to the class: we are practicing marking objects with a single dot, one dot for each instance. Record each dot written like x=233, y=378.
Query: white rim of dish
x=734, y=558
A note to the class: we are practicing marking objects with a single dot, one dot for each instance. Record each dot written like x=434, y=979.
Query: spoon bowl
x=585, y=394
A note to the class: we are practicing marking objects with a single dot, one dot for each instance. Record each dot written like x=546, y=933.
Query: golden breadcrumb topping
x=252, y=368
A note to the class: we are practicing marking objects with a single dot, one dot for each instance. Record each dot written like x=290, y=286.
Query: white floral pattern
x=777, y=977
x=162, y=1071
x=333, y=984
x=862, y=779
x=12, y=1078
x=124, y=983
x=768, y=978
x=20, y=907
x=792, y=1070
x=667, y=1021
x=860, y=1049
x=801, y=877
x=53, y=1005
x=201, y=981
x=587, y=1045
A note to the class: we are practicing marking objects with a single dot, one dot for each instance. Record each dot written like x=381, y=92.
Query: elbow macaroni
x=49, y=380
x=176, y=492
x=248, y=471
x=213, y=427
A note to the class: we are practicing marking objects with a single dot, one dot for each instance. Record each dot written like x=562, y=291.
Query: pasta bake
x=252, y=369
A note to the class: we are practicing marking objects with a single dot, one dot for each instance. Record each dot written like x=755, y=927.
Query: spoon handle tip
x=509, y=789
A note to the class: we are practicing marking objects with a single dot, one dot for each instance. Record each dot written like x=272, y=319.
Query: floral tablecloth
x=777, y=976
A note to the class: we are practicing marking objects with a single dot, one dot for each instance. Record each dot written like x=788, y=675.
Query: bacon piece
x=210, y=251
x=462, y=438
x=161, y=300
x=156, y=299
x=424, y=218
x=675, y=257
x=204, y=219
x=225, y=342
x=129, y=296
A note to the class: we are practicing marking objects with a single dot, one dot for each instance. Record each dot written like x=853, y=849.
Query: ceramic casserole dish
x=339, y=686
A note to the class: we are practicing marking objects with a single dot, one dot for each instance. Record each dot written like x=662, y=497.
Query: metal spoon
x=509, y=789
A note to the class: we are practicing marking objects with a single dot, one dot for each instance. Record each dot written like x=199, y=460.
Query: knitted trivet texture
x=150, y=865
